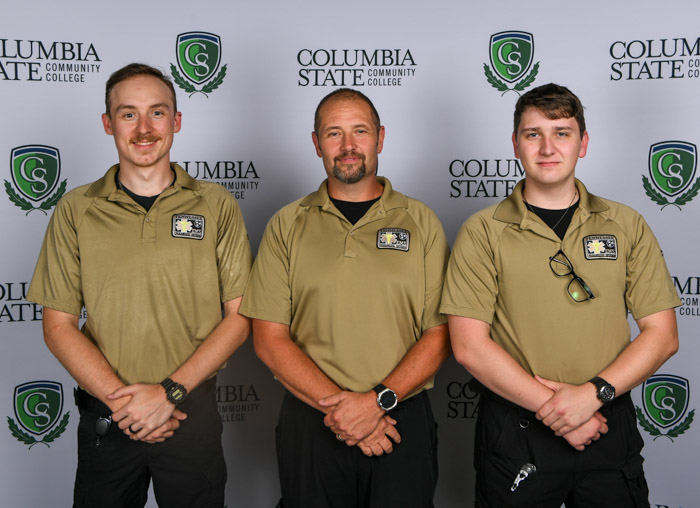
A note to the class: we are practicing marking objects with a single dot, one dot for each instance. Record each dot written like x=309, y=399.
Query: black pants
x=318, y=471
x=608, y=473
x=188, y=469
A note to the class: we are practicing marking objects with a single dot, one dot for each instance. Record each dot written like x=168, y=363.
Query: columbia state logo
x=198, y=57
x=672, y=180
x=511, y=54
x=35, y=171
x=665, y=399
x=38, y=406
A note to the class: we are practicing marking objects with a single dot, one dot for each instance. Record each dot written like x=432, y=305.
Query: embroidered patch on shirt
x=600, y=247
x=393, y=238
x=188, y=226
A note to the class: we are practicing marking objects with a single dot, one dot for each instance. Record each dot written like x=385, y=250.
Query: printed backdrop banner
x=444, y=76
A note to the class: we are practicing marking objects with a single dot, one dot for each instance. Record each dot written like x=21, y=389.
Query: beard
x=347, y=174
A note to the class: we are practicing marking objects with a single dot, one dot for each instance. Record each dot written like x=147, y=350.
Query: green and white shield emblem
x=198, y=55
x=672, y=166
x=665, y=399
x=35, y=170
x=38, y=405
x=511, y=54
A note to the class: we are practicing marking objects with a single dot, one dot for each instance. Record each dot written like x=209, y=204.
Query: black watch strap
x=175, y=392
x=386, y=397
x=604, y=390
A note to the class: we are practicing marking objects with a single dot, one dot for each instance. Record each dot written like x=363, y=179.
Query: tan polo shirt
x=152, y=282
x=356, y=297
x=499, y=273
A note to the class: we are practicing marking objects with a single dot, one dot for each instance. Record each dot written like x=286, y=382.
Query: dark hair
x=554, y=101
x=345, y=94
x=132, y=70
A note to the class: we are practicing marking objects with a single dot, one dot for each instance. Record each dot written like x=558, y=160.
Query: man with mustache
x=155, y=257
x=344, y=297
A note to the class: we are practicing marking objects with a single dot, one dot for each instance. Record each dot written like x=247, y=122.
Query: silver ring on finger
x=337, y=436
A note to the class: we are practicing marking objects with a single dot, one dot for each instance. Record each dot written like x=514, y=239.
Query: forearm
x=216, y=349
x=492, y=365
x=80, y=356
x=420, y=363
x=656, y=343
x=290, y=365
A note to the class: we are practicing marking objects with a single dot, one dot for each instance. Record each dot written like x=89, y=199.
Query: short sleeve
x=56, y=283
x=233, y=255
x=649, y=287
x=268, y=293
x=471, y=284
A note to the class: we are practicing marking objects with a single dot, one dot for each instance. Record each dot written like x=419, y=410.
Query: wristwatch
x=175, y=392
x=604, y=390
x=386, y=397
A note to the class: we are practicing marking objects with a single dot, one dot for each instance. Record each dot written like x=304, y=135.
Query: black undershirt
x=353, y=210
x=144, y=201
x=550, y=217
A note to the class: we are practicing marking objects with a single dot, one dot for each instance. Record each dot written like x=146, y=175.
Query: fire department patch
x=393, y=238
x=188, y=226
x=600, y=247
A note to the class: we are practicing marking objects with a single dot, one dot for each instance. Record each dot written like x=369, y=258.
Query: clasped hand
x=358, y=420
x=572, y=413
x=147, y=416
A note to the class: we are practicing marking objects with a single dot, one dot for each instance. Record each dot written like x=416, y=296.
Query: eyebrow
x=338, y=127
x=556, y=128
x=152, y=106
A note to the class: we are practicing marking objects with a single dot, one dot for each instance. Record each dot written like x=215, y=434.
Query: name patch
x=393, y=238
x=188, y=226
x=600, y=247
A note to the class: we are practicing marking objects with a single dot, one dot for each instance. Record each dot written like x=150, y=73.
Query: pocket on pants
x=633, y=472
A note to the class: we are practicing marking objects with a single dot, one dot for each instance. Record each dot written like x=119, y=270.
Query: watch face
x=177, y=393
x=387, y=399
x=607, y=393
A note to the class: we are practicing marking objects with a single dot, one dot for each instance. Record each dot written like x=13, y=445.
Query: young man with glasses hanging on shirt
x=537, y=293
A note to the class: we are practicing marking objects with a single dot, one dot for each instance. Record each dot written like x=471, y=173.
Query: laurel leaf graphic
x=51, y=202
x=58, y=430
x=522, y=85
x=646, y=425
x=653, y=194
x=185, y=85
x=18, y=434
x=16, y=198
x=494, y=81
x=214, y=83
x=683, y=426
x=688, y=196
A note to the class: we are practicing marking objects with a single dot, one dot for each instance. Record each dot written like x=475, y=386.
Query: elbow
x=672, y=344
x=462, y=356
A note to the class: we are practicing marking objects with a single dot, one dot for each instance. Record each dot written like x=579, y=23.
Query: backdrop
x=444, y=76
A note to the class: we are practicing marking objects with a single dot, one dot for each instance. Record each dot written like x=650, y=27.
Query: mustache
x=148, y=139
x=349, y=154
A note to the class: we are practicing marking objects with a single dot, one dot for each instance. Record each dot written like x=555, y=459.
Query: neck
x=550, y=198
x=149, y=181
x=364, y=190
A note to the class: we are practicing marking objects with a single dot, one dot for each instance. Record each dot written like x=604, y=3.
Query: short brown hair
x=346, y=94
x=554, y=101
x=132, y=70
